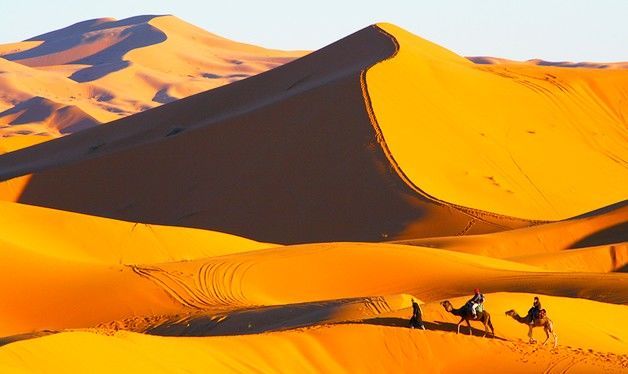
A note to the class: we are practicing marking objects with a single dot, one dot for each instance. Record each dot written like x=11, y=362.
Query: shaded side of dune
x=60, y=46
x=288, y=156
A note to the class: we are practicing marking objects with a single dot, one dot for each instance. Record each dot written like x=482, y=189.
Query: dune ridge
x=538, y=129
x=394, y=209
x=113, y=68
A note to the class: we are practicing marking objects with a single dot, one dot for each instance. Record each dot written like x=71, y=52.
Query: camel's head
x=510, y=313
x=446, y=304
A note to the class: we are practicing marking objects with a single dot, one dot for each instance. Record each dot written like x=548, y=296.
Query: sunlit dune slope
x=537, y=142
x=395, y=310
x=12, y=143
x=284, y=275
x=372, y=345
x=78, y=237
x=296, y=149
x=600, y=259
x=110, y=69
x=319, y=272
x=44, y=292
x=602, y=227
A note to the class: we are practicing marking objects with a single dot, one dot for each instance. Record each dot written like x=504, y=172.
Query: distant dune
x=109, y=69
x=566, y=64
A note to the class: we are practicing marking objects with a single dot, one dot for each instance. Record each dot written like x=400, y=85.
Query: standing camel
x=466, y=315
x=542, y=321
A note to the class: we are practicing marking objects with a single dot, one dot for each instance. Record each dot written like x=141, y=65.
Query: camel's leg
x=547, y=335
x=485, y=329
x=461, y=320
x=551, y=330
x=470, y=329
x=530, y=334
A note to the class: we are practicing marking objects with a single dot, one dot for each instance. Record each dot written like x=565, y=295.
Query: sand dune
x=393, y=169
x=600, y=259
x=26, y=117
x=276, y=276
x=412, y=192
x=315, y=270
x=110, y=69
x=10, y=144
x=602, y=227
x=370, y=345
x=536, y=142
x=290, y=200
x=487, y=60
x=78, y=237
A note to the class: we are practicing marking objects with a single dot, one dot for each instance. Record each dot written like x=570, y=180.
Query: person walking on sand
x=417, y=316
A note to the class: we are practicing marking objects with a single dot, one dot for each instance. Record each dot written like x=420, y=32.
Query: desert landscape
x=174, y=201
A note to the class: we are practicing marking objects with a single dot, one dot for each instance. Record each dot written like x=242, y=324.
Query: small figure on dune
x=533, y=313
x=465, y=314
x=476, y=303
x=417, y=316
x=536, y=317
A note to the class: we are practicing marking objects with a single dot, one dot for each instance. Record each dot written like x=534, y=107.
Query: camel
x=542, y=321
x=466, y=315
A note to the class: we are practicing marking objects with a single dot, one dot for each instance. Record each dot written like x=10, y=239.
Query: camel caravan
x=473, y=310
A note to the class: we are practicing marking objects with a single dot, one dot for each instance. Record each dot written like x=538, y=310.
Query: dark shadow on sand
x=434, y=326
x=139, y=33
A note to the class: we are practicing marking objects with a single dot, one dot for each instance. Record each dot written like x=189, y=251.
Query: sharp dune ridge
x=356, y=150
x=287, y=221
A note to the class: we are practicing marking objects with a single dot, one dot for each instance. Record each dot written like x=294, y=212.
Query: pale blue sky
x=575, y=30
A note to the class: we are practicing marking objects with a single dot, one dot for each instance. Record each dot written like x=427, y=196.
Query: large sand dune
x=276, y=276
x=538, y=142
x=328, y=143
x=109, y=69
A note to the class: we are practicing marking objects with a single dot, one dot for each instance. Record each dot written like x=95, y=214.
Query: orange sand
x=401, y=166
x=530, y=141
x=167, y=59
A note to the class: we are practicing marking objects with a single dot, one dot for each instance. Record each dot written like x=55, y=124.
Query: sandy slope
x=109, y=69
x=530, y=141
x=10, y=144
x=595, y=242
x=78, y=237
x=310, y=101
x=368, y=344
x=600, y=259
x=311, y=151
x=412, y=193
x=275, y=276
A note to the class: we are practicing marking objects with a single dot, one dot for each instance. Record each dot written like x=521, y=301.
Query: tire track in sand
x=214, y=283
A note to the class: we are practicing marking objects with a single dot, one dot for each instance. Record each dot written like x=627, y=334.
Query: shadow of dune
x=260, y=158
x=434, y=326
x=98, y=71
x=271, y=318
x=19, y=337
x=131, y=33
x=610, y=235
x=35, y=109
x=603, y=210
